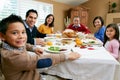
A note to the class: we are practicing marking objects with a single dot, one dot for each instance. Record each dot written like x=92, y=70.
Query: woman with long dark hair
x=47, y=27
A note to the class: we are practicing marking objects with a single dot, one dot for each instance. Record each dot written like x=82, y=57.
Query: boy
x=16, y=63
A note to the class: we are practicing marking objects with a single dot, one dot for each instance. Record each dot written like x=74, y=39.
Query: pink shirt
x=113, y=47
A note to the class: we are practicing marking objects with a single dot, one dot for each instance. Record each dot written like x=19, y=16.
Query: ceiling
x=71, y=2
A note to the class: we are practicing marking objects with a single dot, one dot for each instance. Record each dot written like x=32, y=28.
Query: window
x=20, y=7
x=8, y=7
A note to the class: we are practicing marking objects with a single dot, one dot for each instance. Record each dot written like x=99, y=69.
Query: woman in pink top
x=111, y=40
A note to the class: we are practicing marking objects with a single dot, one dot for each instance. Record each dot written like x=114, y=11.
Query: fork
x=72, y=50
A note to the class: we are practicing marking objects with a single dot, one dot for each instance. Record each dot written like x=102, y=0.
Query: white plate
x=51, y=51
x=91, y=41
x=52, y=39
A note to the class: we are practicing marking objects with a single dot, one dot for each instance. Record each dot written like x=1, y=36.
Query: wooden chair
x=1, y=75
x=119, y=56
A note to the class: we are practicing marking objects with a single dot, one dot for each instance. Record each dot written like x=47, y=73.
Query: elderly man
x=76, y=26
x=33, y=36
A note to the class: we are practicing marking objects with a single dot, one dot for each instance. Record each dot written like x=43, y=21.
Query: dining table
x=95, y=63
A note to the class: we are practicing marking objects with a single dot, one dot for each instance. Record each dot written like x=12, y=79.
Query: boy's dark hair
x=52, y=23
x=115, y=27
x=100, y=18
x=29, y=11
x=5, y=22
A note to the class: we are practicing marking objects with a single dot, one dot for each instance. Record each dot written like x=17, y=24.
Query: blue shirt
x=100, y=34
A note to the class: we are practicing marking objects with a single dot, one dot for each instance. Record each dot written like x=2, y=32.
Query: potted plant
x=114, y=5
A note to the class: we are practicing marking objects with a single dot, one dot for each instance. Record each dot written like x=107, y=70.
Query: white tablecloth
x=95, y=64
